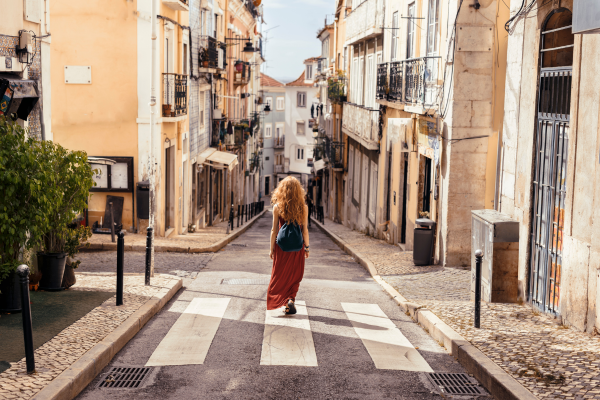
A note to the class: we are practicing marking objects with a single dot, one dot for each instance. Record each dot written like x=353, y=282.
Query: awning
x=318, y=165
x=204, y=155
x=221, y=158
x=17, y=96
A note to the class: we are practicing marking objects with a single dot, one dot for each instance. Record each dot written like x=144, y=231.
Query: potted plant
x=25, y=202
x=71, y=184
x=77, y=236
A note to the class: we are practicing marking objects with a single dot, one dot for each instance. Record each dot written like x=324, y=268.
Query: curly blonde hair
x=289, y=197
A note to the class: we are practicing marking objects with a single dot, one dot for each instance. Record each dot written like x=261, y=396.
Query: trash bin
x=143, y=199
x=423, y=245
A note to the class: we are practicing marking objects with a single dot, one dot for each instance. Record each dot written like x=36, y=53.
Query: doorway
x=169, y=188
x=267, y=185
x=404, y=198
x=550, y=161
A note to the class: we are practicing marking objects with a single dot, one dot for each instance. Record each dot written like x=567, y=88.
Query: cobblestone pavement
x=178, y=264
x=551, y=360
x=56, y=355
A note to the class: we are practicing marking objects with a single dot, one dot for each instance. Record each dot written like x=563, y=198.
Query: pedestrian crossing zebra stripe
x=387, y=346
x=189, y=339
x=288, y=339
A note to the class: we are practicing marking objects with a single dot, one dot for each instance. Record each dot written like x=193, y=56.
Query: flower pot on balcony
x=166, y=110
x=205, y=64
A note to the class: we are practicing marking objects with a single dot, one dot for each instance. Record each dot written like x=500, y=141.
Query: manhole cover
x=125, y=377
x=262, y=281
x=455, y=383
x=239, y=245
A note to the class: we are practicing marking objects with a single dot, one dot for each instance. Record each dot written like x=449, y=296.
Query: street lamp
x=267, y=109
x=249, y=48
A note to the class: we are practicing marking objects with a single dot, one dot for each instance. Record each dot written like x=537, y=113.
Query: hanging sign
x=428, y=139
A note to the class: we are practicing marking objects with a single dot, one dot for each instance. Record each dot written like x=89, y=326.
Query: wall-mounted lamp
x=24, y=49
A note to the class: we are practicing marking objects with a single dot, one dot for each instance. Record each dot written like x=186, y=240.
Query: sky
x=294, y=37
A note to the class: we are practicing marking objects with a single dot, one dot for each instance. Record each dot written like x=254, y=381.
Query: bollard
x=148, y=254
x=246, y=212
x=230, y=221
x=242, y=215
x=112, y=223
x=478, y=258
x=120, y=260
x=238, y=218
x=23, y=272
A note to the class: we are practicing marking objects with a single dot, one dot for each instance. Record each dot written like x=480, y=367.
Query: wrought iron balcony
x=212, y=53
x=412, y=81
x=174, y=95
x=362, y=124
x=279, y=169
x=334, y=152
x=279, y=142
x=382, y=84
x=336, y=89
x=365, y=21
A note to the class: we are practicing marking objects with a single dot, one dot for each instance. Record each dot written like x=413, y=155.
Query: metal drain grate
x=262, y=281
x=239, y=245
x=125, y=377
x=455, y=383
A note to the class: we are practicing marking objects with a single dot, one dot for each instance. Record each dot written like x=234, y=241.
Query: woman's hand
x=306, y=254
x=271, y=254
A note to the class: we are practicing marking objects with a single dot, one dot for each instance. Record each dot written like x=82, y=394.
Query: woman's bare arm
x=274, y=229
x=305, y=230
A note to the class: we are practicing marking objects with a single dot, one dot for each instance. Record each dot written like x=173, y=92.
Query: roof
x=299, y=81
x=266, y=80
x=312, y=59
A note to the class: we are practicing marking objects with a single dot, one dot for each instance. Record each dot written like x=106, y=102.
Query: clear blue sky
x=295, y=39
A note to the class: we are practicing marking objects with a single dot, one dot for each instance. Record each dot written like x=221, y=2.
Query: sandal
x=290, y=308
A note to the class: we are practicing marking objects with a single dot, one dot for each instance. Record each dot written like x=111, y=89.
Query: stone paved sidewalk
x=59, y=353
x=551, y=360
x=199, y=241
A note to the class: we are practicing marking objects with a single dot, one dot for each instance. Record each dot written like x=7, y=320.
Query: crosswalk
x=287, y=339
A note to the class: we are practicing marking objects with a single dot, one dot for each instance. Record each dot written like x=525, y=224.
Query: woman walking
x=289, y=244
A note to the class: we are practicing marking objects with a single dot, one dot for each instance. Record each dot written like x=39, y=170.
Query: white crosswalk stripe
x=288, y=339
x=189, y=339
x=387, y=346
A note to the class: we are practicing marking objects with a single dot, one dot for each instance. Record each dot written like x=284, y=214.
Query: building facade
x=273, y=134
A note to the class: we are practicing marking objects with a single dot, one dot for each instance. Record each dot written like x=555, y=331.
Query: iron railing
x=279, y=142
x=413, y=81
x=241, y=77
x=334, y=151
x=209, y=52
x=174, y=95
x=278, y=169
x=336, y=89
x=382, y=85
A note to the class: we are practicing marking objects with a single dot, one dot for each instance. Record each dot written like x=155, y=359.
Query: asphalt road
x=342, y=349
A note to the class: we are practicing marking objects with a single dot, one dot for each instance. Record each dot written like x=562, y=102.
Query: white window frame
x=361, y=80
x=433, y=15
x=350, y=170
x=268, y=130
x=303, y=131
x=280, y=103
x=299, y=153
x=395, y=31
x=410, y=31
x=356, y=187
x=309, y=74
x=370, y=81
x=301, y=99
x=279, y=129
x=373, y=191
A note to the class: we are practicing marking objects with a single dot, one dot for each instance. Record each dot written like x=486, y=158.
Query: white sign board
x=400, y=130
x=78, y=74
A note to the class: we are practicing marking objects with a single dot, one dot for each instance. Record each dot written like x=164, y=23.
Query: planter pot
x=10, y=294
x=52, y=266
x=69, y=278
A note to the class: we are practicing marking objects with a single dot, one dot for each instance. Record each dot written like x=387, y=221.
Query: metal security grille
x=549, y=186
x=456, y=384
x=262, y=281
x=125, y=377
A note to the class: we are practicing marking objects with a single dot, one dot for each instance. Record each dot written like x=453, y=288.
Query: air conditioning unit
x=497, y=236
x=220, y=62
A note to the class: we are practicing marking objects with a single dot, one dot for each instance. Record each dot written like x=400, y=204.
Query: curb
x=497, y=381
x=78, y=376
x=174, y=249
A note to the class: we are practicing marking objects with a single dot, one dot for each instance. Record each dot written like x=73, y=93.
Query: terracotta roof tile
x=299, y=82
x=312, y=59
x=266, y=80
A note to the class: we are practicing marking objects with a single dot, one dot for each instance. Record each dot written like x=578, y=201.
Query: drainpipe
x=151, y=164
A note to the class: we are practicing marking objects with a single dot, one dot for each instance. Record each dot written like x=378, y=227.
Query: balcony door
x=410, y=32
x=431, y=64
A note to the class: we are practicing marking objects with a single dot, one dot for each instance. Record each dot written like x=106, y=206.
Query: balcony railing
x=334, y=151
x=279, y=169
x=212, y=53
x=361, y=122
x=412, y=81
x=364, y=21
x=382, y=81
x=279, y=142
x=336, y=89
x=241, y=77
x=174, y=95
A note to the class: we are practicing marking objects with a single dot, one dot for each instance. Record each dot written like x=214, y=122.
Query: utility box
x=497, y=235
x=143, y=199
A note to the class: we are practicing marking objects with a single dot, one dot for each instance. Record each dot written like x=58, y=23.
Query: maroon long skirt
x=286, y=275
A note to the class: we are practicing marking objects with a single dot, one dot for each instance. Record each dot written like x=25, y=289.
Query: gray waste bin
x=423, y=245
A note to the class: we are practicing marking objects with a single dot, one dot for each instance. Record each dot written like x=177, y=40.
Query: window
x=280, y=103
x=269, y=101
x=279, y=129
x=345, y=59
x=201, y=106
x=410, y=36
x=432, y=27
x=184, y=59
x=300, y=128
x=216, y=27
x=373, y=192
x=350, y=171
x=203, y=22
x=309, y=74
x=356, y=173
x=268, y=130
x=300, y=154
x=301, y=99
x=394, y=36
x=361, y=73
x=371, y=80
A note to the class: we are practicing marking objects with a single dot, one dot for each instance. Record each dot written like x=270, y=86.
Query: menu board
x=118, y=177
x=100, y=176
